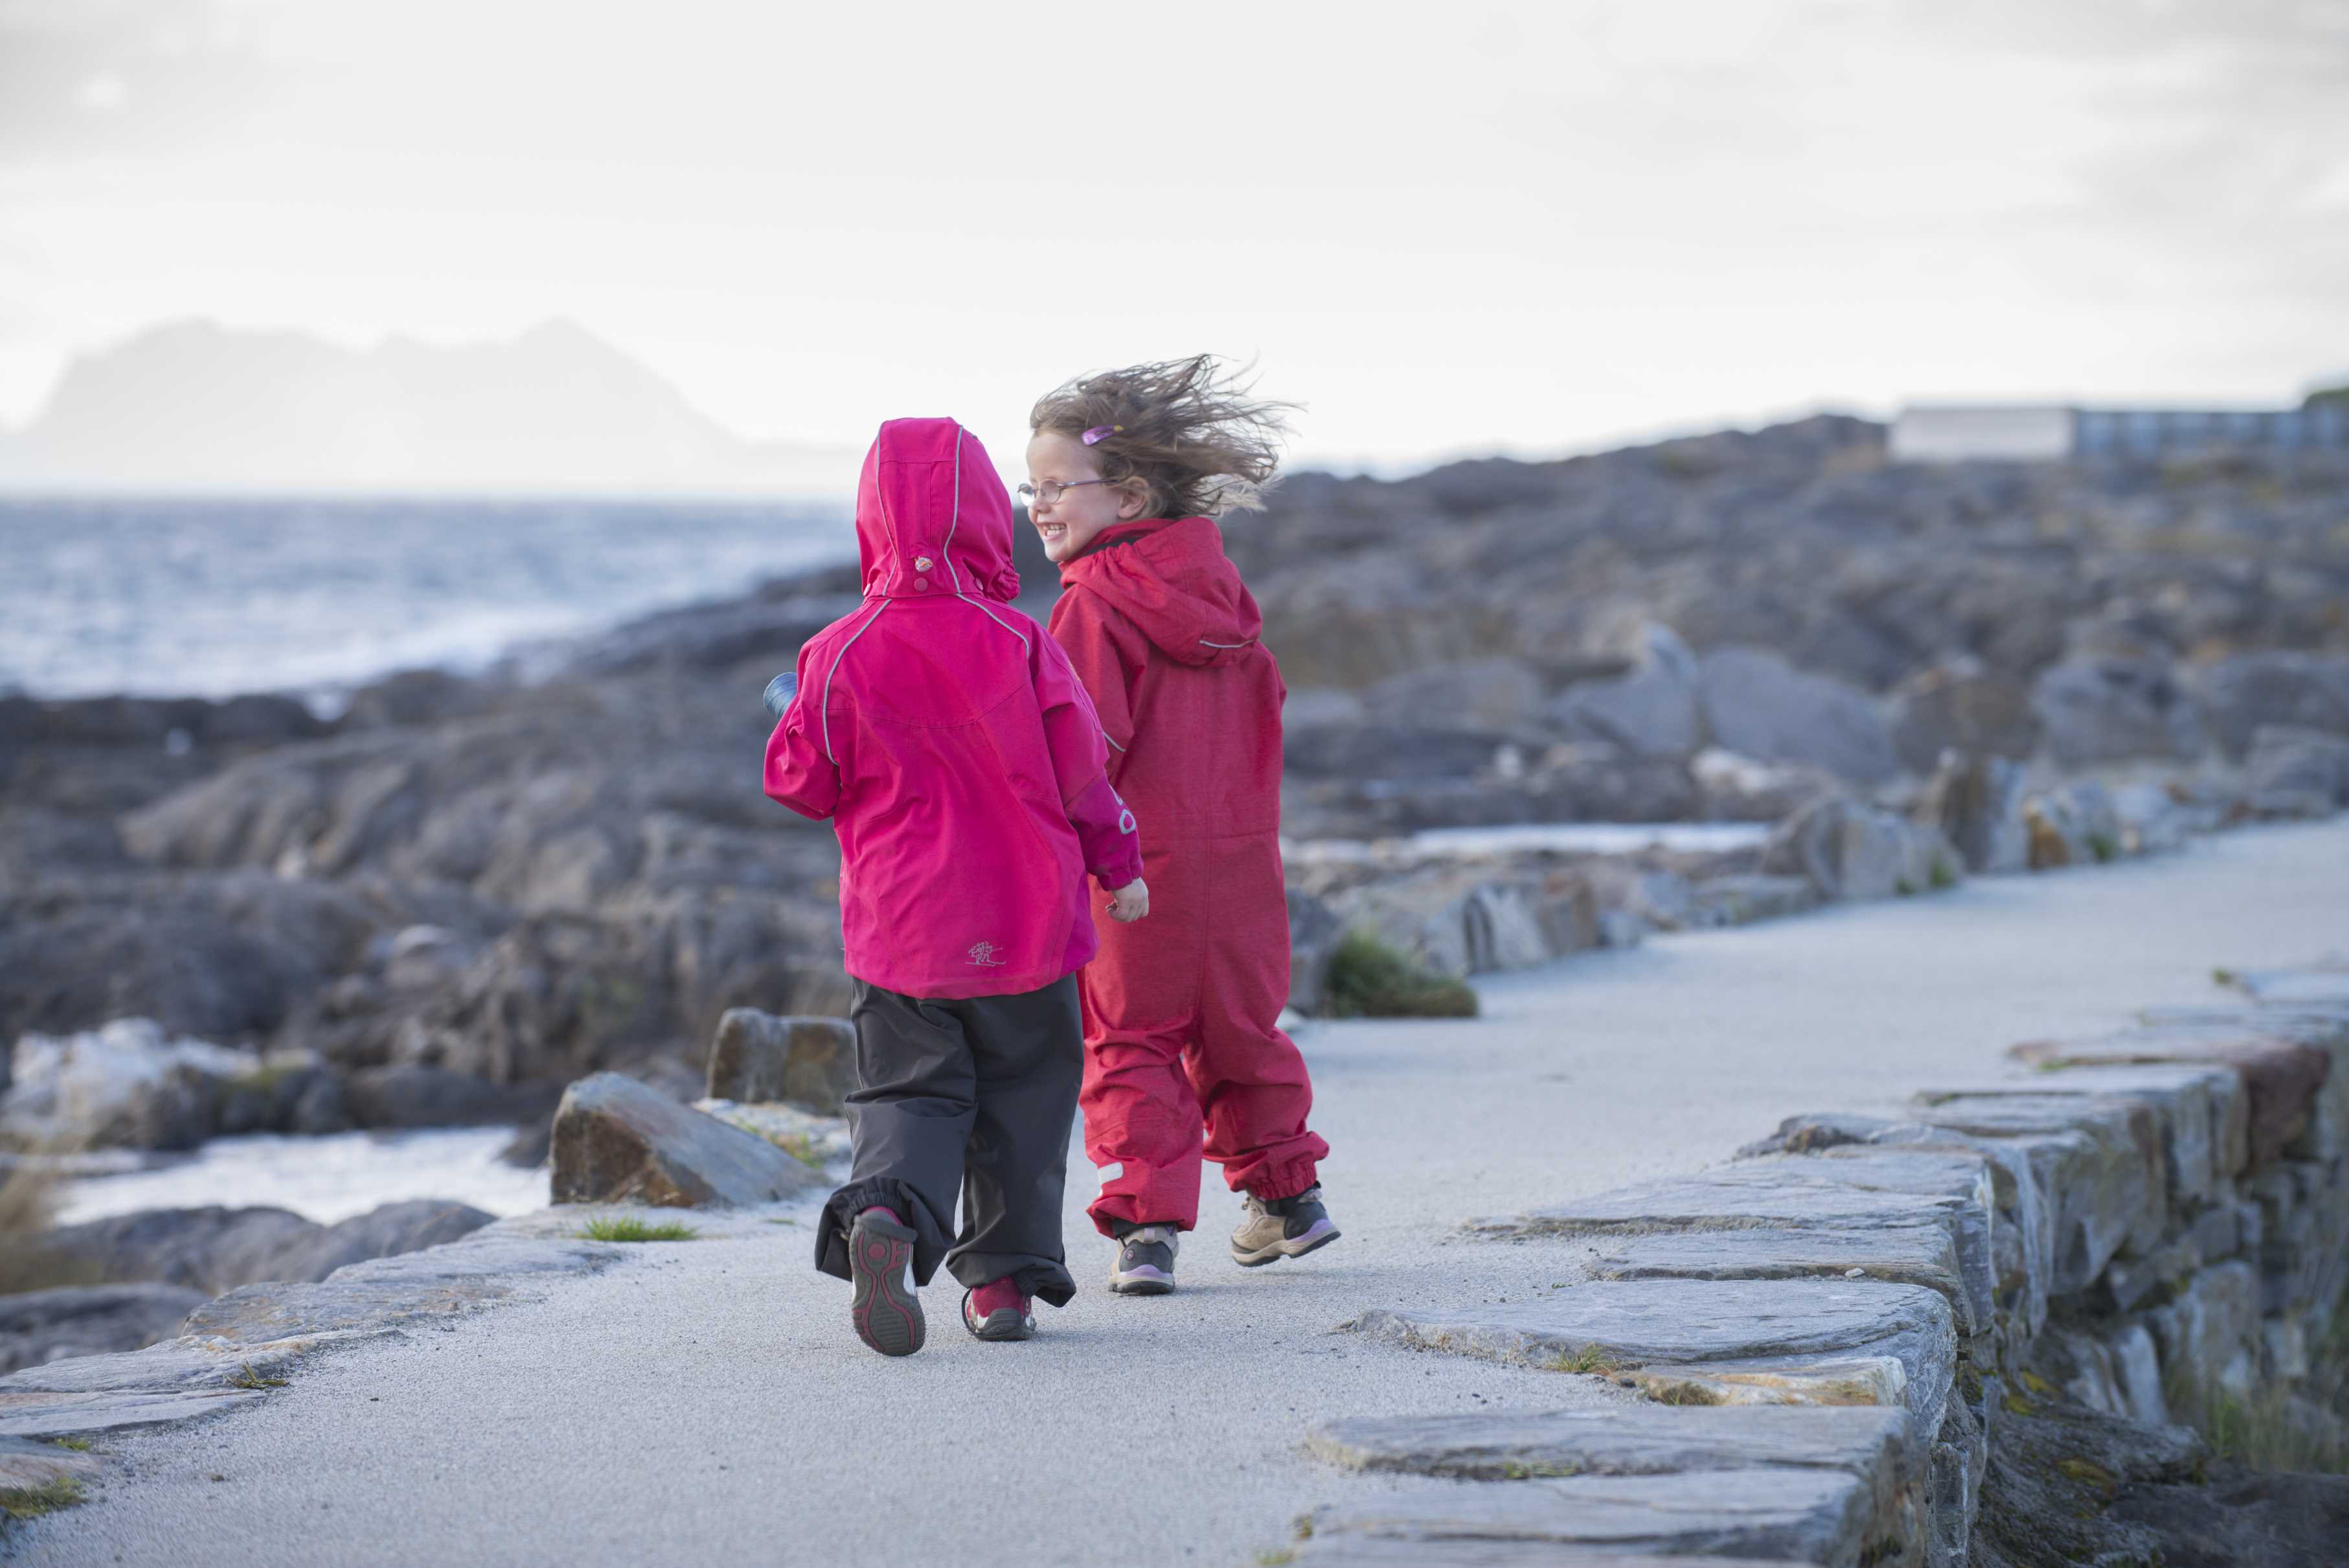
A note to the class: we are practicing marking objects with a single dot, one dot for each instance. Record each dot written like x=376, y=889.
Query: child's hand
x=1130, y=902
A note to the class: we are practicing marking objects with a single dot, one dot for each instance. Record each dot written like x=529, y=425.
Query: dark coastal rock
x=1652, y=710
x=1849, y=850
x=1315, y=929
x=2068, y=1484
x=410, y=1095
x=1351, y=750
x=1759, y=705
x=389, y=1231
x=2293, y=771
x=40, y=1326
x=219, y=956
x=758, y=1057
x=1492, y=694
x=131, y=1085
x=2112, y=709
x=1962, y=706
x=1977, y=801
x=216, y=1250
x=2238, y=696
x=616, y=1140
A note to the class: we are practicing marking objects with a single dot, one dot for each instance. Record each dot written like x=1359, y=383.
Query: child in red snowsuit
x=964, y=770
x=1183, y=1057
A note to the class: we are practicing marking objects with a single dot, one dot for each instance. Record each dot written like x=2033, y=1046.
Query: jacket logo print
x=983, y=953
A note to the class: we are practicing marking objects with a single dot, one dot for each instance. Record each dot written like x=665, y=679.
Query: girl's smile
x=1083, y=503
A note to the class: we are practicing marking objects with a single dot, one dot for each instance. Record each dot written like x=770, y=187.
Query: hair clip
x=1098, y=432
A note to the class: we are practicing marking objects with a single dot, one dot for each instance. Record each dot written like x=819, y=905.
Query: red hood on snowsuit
x=1180, y=1009
x=1171, y=579
x=1157, y=593
x=950, y=742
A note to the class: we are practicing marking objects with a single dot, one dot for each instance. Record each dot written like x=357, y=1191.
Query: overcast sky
x=1445, y=228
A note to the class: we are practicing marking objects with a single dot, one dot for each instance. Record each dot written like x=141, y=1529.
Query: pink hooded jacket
x=947, y=737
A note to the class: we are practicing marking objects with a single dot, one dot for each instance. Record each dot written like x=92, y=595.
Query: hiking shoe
x=883, y=1307
x=998, y=1310
x=1145, y=1262
x=1272, y=1229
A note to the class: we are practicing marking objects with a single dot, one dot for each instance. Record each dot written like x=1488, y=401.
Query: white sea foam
x=1582, y=837
x=323, y=1179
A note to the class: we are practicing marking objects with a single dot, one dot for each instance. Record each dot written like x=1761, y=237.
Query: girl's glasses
x=1051, y=490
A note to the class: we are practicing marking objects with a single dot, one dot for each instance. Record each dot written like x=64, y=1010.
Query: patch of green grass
x=78, y=1445
x=778, y=1221
x=1944, y=875
x=1589, y=1358
x=1272, y=1556
x=32, y=1501
x=246, y=1377
x=2103, y=847
x=1903, y=888
x=630, y=1228
x=802, y=1147
x=1368, y=979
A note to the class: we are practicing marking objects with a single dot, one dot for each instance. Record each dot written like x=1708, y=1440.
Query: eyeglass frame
x=1032, y=495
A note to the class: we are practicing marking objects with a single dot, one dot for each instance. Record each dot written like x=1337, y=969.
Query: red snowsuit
x=1180, y=1008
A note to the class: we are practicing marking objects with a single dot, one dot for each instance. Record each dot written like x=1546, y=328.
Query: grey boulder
x=1758, y=705
x=759, y=1058
x=616, y=1140
x=40, y=1326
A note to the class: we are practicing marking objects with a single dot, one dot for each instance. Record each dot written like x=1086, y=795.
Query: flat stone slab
x=1776, y=1514
x=1381, y=1551
x=2325, y=986
x=1847, y=1380
x=2099, y=1160
x=263, y=1329
x=26, y=1462
x=1621, y=1326
x=1923, y=1255
x=49, y=1415
x=1749, y=1194
x=1864, y=1188
x=1629, y=1440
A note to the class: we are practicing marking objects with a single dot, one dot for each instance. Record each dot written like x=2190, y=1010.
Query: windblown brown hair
x=1186, y=429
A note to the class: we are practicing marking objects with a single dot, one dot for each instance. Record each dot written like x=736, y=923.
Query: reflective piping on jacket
x=826, y=708
x=1113, y=745
x=1204, y=643
x=996, y=618
x=945, y=551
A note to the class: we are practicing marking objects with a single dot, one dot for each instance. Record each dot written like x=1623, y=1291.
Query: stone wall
x=1839, y=1332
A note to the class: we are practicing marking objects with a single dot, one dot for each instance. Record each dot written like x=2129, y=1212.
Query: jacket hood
x=1170, y=577
x=932, y=515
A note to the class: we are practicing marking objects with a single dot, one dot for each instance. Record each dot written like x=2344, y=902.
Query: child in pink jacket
x=964, y=769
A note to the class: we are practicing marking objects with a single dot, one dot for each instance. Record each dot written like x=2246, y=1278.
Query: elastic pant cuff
x=840, y=1212
x=1287, y=1182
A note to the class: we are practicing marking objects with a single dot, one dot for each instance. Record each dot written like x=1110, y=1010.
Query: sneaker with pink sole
x=883, y=1306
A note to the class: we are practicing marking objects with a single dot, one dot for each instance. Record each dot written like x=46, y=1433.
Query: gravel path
x=705, y=1402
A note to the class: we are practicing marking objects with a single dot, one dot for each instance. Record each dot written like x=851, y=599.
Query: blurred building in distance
x=1951, y=432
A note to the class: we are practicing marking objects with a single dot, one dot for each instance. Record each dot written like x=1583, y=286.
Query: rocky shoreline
x=462, y=896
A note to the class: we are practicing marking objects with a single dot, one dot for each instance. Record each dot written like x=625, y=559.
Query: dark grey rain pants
x=974, y=1095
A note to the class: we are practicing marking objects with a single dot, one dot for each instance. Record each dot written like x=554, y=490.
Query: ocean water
x=203, y=597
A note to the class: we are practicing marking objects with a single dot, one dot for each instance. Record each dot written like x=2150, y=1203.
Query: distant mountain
x=192, y=405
